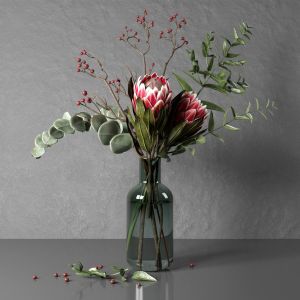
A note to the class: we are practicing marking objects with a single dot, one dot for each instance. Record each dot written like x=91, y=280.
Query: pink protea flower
x=190, y=108
x=154, y=91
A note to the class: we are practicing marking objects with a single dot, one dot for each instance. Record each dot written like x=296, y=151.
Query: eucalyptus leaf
x=211, y=122
x=263, y=114
x=37, y=152
x=212, y=106
x=218, y=137
x=85, y=116
x=121, y=143
x=230, y=127
x=78, y=123
x=201, y=140
x=67, y=116
x=257, y=104
x=142, y=276
x=47, y=139
x=55, y=133
x=39, y=142
x=183, y=84
x=108, y=130
x=64, y=126
x=97, y=121
x=248, y=107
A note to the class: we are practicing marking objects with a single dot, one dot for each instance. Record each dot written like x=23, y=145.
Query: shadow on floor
x=210, y=253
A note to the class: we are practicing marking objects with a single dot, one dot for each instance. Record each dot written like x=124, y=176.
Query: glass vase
x=150, y=220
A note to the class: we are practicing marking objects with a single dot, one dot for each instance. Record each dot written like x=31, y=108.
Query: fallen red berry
x=113, y=281
x=78, y=59
x=92, y=71
x=99, y=267
x=89, y=100
x=66, y=274
x=56, y=275
x=78, y=102
x=67, y=279
x=191, y=265
x=78, y=70
x=84, y=93
x=34, y=277
x=86, y=66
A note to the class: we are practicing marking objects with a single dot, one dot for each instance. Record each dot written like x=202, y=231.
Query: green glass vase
x=150, y=220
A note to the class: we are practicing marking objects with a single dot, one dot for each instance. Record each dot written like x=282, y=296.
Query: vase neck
x=156, y=169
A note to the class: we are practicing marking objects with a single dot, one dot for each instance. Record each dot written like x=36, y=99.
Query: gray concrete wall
x=247, y=188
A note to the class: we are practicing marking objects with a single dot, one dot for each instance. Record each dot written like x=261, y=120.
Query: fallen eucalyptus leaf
x=142, y=276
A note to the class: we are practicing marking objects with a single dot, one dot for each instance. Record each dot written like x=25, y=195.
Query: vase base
x=149, y=265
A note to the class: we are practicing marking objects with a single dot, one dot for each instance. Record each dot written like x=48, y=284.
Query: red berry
x=83, y=61
x=113, y=281
x=78, y=59
x=66, y=274
x=56, y=275
x=78, y=103
x=34, y=277
x=67, y=279
x=92, y=71
x=78, y=70
x=84, y=92
x=191, y=265
x=99, y=267
x=89, y=100
x=86, y=66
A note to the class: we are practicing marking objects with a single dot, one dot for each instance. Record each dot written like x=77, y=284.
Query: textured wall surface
x=247, y=188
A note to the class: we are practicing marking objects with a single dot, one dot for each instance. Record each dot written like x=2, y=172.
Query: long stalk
x=141, y=235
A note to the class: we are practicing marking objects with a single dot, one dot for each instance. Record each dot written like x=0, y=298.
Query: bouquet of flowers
x=156, y=121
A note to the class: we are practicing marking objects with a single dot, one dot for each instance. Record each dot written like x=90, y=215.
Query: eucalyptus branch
x=248, y=115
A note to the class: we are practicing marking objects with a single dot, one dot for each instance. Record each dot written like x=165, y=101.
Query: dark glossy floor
x=225, y=269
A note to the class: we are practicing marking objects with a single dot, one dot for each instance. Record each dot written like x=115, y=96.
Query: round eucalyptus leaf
x=108, y=130
x=121, y=143
x=39, y=142
x=64, y=125
x=47, y=139
x=97, y=121
x=78, y=123
x=85, y=116
x=55, y=133
x=111, y=114
x=123, y=126
x=37, y=152
x=67, y=116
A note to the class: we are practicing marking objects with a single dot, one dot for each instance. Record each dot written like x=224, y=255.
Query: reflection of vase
x=150, y=220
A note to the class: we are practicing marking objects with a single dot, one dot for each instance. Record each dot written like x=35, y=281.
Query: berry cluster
x=129, y=33
x=170, y=33
x=116, y=84
x=82, y=65
x=84, y=100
